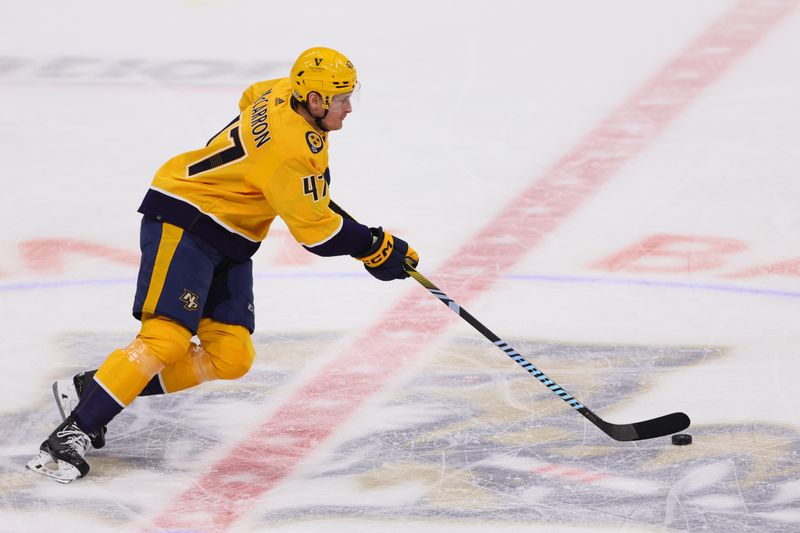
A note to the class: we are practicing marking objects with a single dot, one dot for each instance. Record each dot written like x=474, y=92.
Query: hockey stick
x=646, y=429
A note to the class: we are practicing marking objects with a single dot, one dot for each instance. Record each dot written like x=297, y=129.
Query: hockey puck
x=681, y=439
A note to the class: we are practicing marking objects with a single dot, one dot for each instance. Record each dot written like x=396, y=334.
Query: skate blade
x=66, y=397
x=45, y=465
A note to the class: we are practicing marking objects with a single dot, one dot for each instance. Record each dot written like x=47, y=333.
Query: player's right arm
x=304, y=204
x=300, y=196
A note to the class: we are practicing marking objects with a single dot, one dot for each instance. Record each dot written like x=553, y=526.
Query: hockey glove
x=386, y=258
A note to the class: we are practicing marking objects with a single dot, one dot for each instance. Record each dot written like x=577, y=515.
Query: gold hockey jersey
x=269, y=161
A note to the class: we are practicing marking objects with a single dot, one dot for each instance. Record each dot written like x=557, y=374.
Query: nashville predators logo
x=314, y=142
x=190, y=300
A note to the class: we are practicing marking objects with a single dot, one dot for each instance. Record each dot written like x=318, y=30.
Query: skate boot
x=61, y=455
x=68, y=394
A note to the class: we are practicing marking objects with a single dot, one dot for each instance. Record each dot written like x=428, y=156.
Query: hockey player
x=204, y=216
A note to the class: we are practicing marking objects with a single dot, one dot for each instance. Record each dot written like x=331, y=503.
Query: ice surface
x=610, y=186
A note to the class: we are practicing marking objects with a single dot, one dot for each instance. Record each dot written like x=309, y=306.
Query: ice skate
x=61, y=456
x=68, y=394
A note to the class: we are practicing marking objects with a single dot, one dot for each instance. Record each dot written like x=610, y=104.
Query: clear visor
x=346, y=101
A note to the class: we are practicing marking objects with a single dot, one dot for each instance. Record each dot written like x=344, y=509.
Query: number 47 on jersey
x=311, y=188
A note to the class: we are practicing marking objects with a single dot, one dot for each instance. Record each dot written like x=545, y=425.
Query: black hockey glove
x=387, y=255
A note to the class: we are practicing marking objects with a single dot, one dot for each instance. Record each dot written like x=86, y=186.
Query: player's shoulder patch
x=314, y=141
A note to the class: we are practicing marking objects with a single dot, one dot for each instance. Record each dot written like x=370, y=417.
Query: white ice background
x=463, y=104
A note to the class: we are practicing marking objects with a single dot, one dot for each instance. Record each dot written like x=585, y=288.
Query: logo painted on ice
x=474, y=438
x=190, y=300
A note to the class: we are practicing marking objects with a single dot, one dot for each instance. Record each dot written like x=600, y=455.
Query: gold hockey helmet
x=324, y=71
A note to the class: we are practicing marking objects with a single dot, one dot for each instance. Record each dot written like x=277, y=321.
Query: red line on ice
x=268, y=455
x=576, y=474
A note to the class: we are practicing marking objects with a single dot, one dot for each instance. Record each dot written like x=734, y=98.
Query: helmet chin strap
x=317, y=120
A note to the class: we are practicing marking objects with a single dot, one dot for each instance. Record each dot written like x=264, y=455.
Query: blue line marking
x=586, y=280
x=593, y=280
x=60, y=284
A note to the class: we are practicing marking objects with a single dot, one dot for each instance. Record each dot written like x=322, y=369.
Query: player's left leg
x=113, y=387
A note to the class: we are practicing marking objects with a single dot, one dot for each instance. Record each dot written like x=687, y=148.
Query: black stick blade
x=647, y=429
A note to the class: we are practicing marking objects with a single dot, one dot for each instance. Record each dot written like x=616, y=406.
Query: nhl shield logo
x=190, y=300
